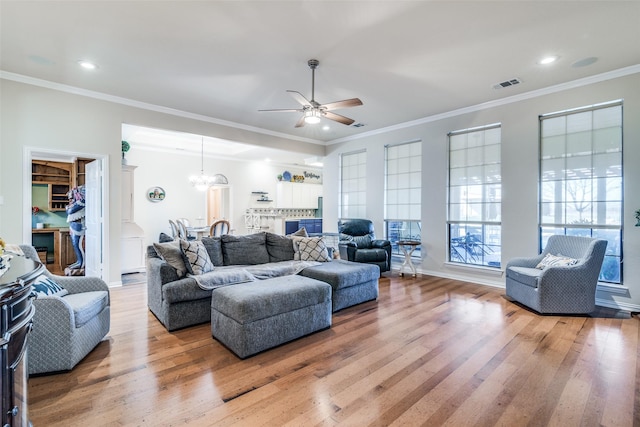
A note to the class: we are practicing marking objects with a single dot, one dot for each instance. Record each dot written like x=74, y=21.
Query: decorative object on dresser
x=16, y=319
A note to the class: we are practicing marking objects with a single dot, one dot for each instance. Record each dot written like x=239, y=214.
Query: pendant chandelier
x=202, y=182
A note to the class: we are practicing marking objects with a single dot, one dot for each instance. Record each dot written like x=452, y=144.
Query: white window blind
x=353, y=185
x=475, y=196
x=581, y=178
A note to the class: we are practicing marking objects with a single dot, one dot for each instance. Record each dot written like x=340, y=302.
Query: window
x=475, y=196
x=581, y=178
x=403, y=184
x=353, y=185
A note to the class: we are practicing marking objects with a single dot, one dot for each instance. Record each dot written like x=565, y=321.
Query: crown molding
x=622, y=72
x=146, y=106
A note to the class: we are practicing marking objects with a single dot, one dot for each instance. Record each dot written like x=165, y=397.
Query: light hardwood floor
x=429, y=352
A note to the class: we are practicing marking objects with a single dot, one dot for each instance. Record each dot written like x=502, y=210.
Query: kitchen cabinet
x=294, y=195
x=312, y=225
x=58, y=177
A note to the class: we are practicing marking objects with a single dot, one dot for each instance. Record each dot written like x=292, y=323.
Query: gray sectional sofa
x=178, y=300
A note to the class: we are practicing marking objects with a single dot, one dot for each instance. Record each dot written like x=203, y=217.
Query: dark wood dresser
x=16, y=314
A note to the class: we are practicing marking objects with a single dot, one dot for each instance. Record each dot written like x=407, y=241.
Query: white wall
x=519, y=179
x=171, y=172
x=40, y=117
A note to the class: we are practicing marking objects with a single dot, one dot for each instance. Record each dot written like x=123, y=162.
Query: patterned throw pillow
x=313, y=249
x=555, y=261
x=197, y=256
x=45, y=286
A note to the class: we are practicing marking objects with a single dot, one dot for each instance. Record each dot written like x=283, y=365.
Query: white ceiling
x=406, y=60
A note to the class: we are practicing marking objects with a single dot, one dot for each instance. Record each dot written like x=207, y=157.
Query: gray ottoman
x=352, y=282
x=251, y=317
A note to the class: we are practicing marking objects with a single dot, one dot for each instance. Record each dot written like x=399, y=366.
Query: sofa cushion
x=44, y=285
x=245, y=250
x=164, y=238
x=313, y=249
x=343, y=274
x=279, y=248
x=87, y=305
x=370, y=255
x=214, y=249
x=249, y=302
x=526, y=276
x=363, y=242
x=172, y=254
x=196, y=256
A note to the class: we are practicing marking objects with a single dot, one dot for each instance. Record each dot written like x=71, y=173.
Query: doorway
x=51, y=220
x=218, y=204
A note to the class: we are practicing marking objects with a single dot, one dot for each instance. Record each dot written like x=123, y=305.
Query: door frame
x=29, y=153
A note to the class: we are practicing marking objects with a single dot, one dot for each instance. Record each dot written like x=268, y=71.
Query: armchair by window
x=558, y=289
x=67, y=325
x=359, y=244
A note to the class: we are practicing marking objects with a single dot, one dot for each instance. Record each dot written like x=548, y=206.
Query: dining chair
x=220, y=227
x=183, y=232
x=175, y=232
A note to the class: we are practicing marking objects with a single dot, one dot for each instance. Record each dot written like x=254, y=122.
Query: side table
x=407, y=247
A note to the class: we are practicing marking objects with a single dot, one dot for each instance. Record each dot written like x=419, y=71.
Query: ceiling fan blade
x=300, y=98
x=300, y=122
x=283, y=110
x=353, y=102
x=338, y=118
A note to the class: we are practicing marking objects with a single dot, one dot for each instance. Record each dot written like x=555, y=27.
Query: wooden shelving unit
x=58, y=176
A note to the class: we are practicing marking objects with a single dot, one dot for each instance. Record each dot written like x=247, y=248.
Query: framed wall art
x=155, y=194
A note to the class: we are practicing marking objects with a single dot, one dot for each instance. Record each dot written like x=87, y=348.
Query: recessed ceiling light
x=87, y=65
x=267, y=159
x=548, y=60
x=326, y=127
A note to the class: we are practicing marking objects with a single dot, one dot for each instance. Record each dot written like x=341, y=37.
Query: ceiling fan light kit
x=312, y=111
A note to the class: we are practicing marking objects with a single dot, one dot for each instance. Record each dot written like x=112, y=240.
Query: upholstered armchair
x=67, y=327
x=358, y=243
x=564, y=282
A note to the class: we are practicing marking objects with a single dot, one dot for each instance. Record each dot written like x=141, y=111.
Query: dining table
x=199, y=232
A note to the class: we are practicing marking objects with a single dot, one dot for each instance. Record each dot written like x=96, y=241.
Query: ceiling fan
x=312, y=110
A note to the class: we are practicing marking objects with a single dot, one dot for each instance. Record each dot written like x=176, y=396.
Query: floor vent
x=507, y=83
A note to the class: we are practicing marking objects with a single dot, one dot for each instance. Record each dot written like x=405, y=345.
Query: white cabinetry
x=132, y=240
x=294, y=195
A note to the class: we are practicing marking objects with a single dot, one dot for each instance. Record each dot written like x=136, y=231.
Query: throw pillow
x=245, y=250
x=43, y=285
x=172, y=254
x=279, y=248
x=164, y=238
x=195, y=253
x=313, y=249
x=555, y=261
x=302, y=232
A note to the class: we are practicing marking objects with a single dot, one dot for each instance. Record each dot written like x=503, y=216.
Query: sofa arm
x=380, y=243
x=529, y=262
x=347, y=250
x=79, y=284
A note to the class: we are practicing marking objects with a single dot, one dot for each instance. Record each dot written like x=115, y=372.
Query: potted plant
x=125, y=148
x=637, y=217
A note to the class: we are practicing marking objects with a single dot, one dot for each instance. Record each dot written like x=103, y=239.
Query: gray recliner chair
x=66, y=328
x=358, y=243
x=558, y=289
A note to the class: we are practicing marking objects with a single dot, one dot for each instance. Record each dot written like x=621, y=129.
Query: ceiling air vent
x=507, y=83
x=357, y=125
